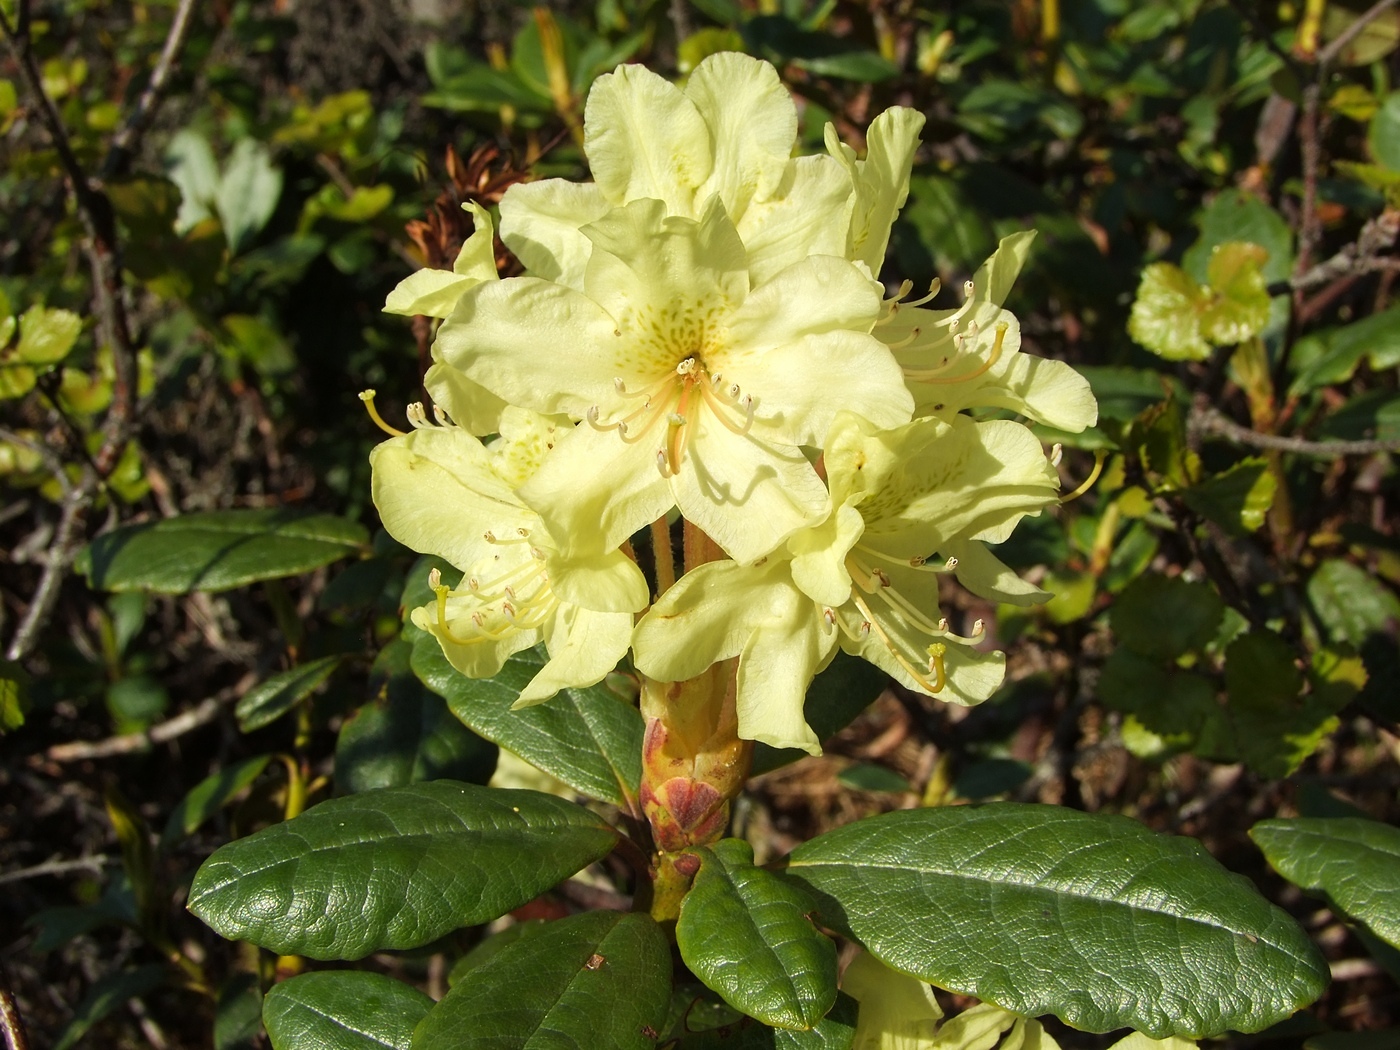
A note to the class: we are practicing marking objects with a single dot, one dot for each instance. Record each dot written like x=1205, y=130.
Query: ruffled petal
x=595, y=490
x=601, y=582
x=746, y=495
x=645, y=139
x=809, y=214
x=536, y=344
x=540, y=223
x=882, y=183
x=985, y=575
x=819, y=556
x=433, y=293
x=469, y=404
x=584, y=646
x=752, y=122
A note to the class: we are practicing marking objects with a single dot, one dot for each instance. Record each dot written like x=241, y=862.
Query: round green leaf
x=591, y=739
x=271, y=699
x=1163, y=617
x=393, y=869
x=1351, y=603
x=1042, y=910
x=217, y=550
x=597, y=981
x=1355, y=862
x=745, y=933
x=343, y=1010
x=1166, y=314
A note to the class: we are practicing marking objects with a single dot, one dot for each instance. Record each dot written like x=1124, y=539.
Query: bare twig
x=1213, y=421
x=56, y=867
x=62, y=550
x=126, y=140
x=201, y=714
x=1362, y=257
x=1336, y=47
x=10, y=1022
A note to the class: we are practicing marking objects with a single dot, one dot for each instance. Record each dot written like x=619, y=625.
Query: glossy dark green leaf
x=209, y=796
x=343, y=1010
x=490, y=946
x=1039, y=909
x=273, y=697
x=836, y=696
x=393, y=869
x=591, y=739
x=1165, y=616
x=868, y=776
x=835, y=1031
x=745, y=933
x=406, y=734
x=106, y=995
x=1351, y=603
x=1333, y=355
x=238, y=1013
x=217, y=550
x=596, y=981
x=1354, y=862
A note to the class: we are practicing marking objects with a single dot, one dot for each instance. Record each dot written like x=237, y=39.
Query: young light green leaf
x=45, y=337
x=1384, y=134
x=209, y=796
x=1039, y=909
x=272, y=698
x=1166, y=314
x=343, y=1010
x=745, y=933
x=589, y=738
x=1237, y=499
x=217, y=550
x=1354, y=862
x=248, y=192
x=1351, y=603
x=393, y=869
x=1240, y=306
x=596, y=981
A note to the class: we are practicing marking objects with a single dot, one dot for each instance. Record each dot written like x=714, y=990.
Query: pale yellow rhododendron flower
x=695, y=389
x=910, y=504
x=440, y=491
x=969, y=357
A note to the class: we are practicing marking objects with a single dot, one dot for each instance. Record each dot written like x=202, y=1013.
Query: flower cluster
x=702, y=329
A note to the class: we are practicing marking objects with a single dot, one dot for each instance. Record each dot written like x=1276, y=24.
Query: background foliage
x=202, y=618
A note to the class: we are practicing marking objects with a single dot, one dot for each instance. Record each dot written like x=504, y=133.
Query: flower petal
x=601, y=582
x=819, y=556
x=584, y=646
x=595, y=490
x=645, y=139
x=540, y=223
x=985, y=575
x=752, y=122
x=469, y=404
x=882, y=183
x=809, y=214
x=481, y=657
x=515, y=336
x=429, y=292
x=746, y=495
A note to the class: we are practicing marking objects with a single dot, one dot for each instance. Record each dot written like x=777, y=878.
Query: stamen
x=903, y=661
x=908, y=340
x=1099, y=456
x=418, y=416
x=931, y=375
x=367, y=396
x=442, y=417
x=1057, y=453
x=662, y=463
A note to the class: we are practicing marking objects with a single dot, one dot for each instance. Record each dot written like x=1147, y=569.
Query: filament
x=1088, y=483
x=933, y=375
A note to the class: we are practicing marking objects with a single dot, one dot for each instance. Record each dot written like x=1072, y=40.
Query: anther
x=830, y=616
x=880, y=576
x=434, y=578
x=441, y=416
x=677, y=420
x=734, y=391
x=619, y=385
x=950, y=564
x=968, y=289
x=943, y=623
x=489, y=536
x=1057, y=453
x=662, y=463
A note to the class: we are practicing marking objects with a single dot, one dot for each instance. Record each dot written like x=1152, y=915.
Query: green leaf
x=1240, y=308
x=393, y=869
x=591, y=739
x=1235, y=215
x=1259, y=672
x=835, y=1031
x=406, y=734
x=45, y=337
x=238, y=1013
x=867, y=776
x=947, y=224
x=1159, y=437
x=836, y=696
x=273, y=697
x=343, y=1010
x=14, y=696
x=1168, y=703
x=1039, y=909
x=217, y=550
x=105, y=996
x=248, y=192
x=865, y=67
x=209, y=796
x=1166, y=314
x=1166, y=616
x=1354, y=862
x=596, y=981
x=490, y=946
x=745, y=933
x=1332, y=356
x=1384, y=135
x=1237, y=499
x=1351, y=603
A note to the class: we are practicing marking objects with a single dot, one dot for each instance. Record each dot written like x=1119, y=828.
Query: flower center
x=508, y=591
